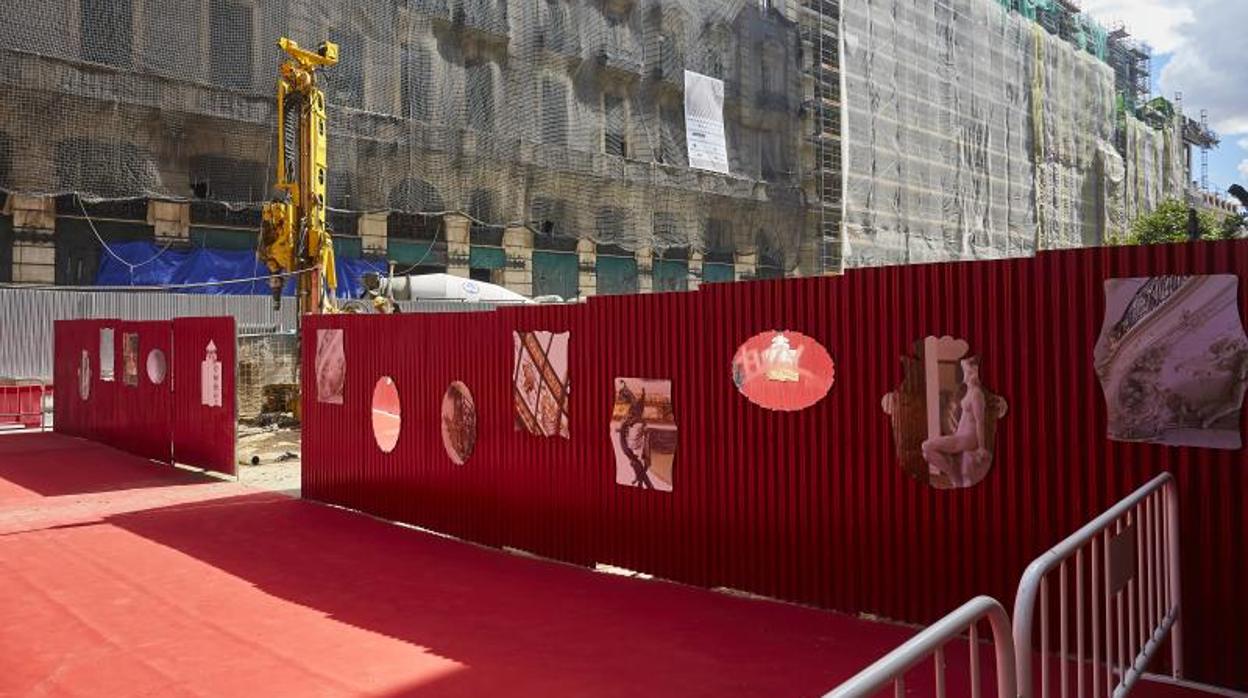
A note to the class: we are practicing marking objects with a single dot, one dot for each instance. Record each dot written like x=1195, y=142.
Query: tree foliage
x=1168, y=223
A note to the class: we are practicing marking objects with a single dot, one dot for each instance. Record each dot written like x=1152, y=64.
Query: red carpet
x=122, y=577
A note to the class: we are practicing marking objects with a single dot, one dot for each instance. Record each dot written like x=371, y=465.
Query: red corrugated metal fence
x=204, y=404
x=143, y=408
x=809, y=506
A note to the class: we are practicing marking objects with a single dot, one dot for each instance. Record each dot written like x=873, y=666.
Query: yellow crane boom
x=293, y=233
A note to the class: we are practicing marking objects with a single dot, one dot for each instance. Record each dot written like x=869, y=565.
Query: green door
x=671, y=275
x=555, y=274
x=617, y=275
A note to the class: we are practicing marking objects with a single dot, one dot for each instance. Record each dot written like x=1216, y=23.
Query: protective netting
x=563, y=115
x=973, y=132
x=971, y=128
x=1159, y=152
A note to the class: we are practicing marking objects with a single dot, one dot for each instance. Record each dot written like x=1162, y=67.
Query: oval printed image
x=157, y=366
x=783, y=370
x=459, y=423
x=387, y=415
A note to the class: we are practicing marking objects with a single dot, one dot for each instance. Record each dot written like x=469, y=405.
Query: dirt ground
x=277, y=448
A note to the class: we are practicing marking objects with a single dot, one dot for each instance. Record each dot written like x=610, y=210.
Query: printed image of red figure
x=643, y=433
x=632, y=435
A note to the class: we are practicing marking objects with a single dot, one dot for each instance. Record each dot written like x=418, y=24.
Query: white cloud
x=1208, y=67
x=1243, y=169
x=1206, y=38
x=1156, y=22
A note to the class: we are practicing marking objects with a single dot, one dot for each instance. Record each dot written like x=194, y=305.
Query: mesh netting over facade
x=564, y=115
x=858, y=133
x=972, y=132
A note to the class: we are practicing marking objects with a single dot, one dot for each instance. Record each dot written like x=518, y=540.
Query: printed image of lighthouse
x=210, y=377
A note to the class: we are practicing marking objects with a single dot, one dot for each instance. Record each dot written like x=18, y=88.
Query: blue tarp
x=202, y=265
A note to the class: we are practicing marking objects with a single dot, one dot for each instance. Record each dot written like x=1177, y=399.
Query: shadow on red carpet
x=49, y=465
x=469, y=621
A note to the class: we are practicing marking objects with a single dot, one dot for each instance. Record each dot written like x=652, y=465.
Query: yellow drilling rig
x=294, y=238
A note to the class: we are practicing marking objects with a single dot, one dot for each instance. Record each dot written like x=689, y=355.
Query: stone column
x=745, y=262
x=811, y=256
x=34, y=249
x=587, y=266
x=372, y=229
x=458, y=243
x=518, y=246
x=695, y=270
x=171, y=221
x=645, y=269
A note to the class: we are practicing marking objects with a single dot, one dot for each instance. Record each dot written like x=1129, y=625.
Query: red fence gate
x=150, y=387
x=146, y=392
x=205, y=408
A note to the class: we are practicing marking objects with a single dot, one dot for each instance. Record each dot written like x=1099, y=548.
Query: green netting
x=1031, y=8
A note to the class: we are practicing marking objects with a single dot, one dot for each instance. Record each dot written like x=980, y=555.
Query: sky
x=1198, y=50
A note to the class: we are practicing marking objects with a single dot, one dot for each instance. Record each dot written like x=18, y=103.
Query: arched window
x=105, y=169
x=231, y=42
x=486, y=229
x=106, y=28
x=416, y=82
x=218, y=178
x=553, y=129
x=345, y=81
x=410, y=199
x=479, y=93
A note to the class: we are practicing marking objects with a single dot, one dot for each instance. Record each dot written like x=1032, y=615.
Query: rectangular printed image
x=130, y=358
x=540, y=383
x=1172, y=360
x=643, y=433
x=331, y=366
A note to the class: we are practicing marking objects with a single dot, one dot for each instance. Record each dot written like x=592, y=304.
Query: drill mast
x=293, y=236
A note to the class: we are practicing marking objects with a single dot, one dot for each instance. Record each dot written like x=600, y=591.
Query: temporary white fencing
x=1122, y=570
x=892, y=667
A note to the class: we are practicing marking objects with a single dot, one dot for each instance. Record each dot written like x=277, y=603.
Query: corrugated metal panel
x=447, y=306
x=809, y=506
x=27, y=338
x=154, y=420
x=26, y=342
x=204, y=435
x=146, y=408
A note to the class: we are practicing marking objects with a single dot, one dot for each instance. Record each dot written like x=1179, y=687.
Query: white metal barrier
x=14, y=414
x=1122, y=570
x=892, y=667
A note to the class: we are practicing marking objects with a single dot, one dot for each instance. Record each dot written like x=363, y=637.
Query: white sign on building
x=704, y=122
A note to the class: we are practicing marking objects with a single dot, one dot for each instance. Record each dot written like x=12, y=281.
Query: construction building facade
x=544, y=145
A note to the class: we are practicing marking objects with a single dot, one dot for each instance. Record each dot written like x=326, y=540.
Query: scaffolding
x=1131, y=63
x=977, y=129
x=819, y=19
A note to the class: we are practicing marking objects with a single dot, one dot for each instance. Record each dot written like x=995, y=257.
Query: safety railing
x=24, y=404
x=892, y=667
x=1122, y=570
